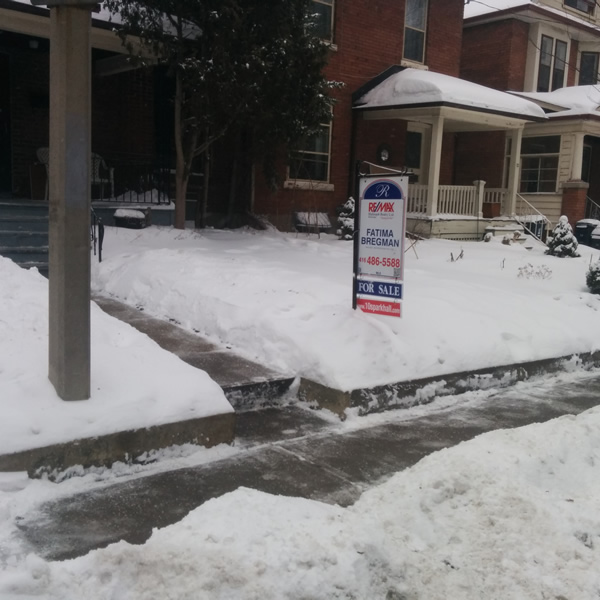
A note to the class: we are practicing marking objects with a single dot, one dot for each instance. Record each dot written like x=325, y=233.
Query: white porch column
x=435, y=158
x=479, y=189
x=514, y=167
x=577, y=156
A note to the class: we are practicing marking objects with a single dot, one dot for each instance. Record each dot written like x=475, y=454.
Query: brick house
x=387, y=45
x=547, y=51
x=402, y=44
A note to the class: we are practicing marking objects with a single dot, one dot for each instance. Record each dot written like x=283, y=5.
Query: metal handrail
x=97, y=234
x=532, y=211
x=592, y=209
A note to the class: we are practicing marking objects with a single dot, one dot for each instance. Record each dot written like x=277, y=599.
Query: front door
x=5, y=167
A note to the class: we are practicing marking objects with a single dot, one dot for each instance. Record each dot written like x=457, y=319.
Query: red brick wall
x=480, y=155
x=483, y=63
x=573, y=201
x=368, y=39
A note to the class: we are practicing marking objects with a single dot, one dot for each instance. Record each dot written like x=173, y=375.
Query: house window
x=323, y=10
x=586, y=6
x=553, y=61
x=539, y=164
x=310, y=162
x=415, y=24
x=588, y=68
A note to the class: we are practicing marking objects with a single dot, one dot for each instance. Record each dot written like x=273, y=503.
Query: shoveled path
x=291, y=451
x=244, y=382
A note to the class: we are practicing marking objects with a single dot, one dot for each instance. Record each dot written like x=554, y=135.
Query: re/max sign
x=377, y=288
x=381, y=207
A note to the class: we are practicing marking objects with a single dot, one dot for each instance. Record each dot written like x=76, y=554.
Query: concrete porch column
x=514, y=167
x=435, y=159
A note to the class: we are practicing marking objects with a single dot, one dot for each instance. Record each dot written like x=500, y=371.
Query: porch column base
x=574, y=200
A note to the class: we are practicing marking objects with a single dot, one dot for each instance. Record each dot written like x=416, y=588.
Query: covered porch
x=441, y=108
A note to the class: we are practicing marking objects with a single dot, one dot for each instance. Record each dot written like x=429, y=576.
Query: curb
x=405, y=394
x=125, y=446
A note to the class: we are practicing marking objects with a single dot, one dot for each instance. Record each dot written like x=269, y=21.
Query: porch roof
x=414, y=93
x=575, y=101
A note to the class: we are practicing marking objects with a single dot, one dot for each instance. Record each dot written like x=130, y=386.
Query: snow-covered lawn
x=511, y=514
x=285, y=300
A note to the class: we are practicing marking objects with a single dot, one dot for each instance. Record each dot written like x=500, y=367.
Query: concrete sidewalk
x=291, y=451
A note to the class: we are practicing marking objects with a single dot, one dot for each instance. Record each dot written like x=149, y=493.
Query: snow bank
x=506, y=515
x=134, y=383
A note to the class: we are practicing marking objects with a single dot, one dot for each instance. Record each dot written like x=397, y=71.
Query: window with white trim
x=588, y=68
x=539, y=164
x=415, y=27
x=323, y=10
x=585, y=6
x=311, y=160
x=552, y=65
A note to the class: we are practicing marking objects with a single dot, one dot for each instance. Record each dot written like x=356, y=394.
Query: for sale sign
x=382, y=226
x=379, y=246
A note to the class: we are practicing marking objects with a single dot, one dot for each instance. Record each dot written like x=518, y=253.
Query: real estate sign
x=379, y=269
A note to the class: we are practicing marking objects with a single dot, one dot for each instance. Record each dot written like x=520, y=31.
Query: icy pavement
x=296, y=452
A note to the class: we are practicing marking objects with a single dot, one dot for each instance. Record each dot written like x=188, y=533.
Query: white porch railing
x=417, y=199
x=457, y=200
x=496, y=196
x=537, y=224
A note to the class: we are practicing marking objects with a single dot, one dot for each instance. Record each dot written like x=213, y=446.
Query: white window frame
x=410, y=5
x=554, y=62
x=332, y=4
x=293, y=181
x=539, y=156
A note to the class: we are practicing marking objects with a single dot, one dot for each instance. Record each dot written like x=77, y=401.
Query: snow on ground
x=285, y=300
x=510, y=514
x=128, y=386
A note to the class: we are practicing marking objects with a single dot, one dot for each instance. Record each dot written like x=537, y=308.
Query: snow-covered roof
x=576, y=101
x=411, y=87
x=479, y=8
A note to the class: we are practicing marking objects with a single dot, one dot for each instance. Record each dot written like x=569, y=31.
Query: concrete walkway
x=245, y=383
x=291, y=451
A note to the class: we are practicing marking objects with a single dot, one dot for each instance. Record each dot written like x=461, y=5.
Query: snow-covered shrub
x=563, y=242
x=592, y=277
x=345, y=220
x=507, y=240
x=531, y=272
x=488, y=236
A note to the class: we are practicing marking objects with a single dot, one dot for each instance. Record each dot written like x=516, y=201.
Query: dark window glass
x=545, y=64
x=323, y=9
x=560, y=61
x=413, y=149
x=311, y=160
x=586, y=6
x=539, y=164
x=588, y=68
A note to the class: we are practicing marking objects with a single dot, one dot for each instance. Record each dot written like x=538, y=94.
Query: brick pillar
x=574, y=199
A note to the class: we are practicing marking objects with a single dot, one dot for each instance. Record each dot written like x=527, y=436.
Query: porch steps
x=24, y=233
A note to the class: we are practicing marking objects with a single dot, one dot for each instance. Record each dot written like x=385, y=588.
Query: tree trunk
x=234, y=180
x=202, y=203
x=181, y=179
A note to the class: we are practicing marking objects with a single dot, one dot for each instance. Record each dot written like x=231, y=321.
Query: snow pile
x=285, y=301
x=511, y=514
x=134, y=383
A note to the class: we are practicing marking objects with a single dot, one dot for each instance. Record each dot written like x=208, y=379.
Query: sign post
x=69, y=196
x=379, y=245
